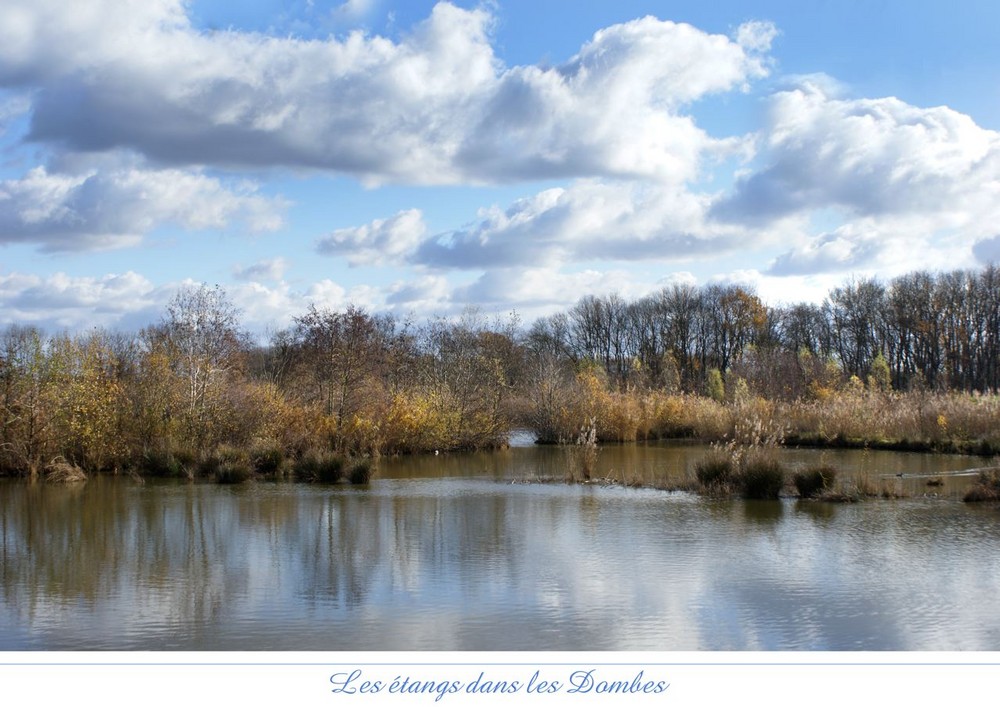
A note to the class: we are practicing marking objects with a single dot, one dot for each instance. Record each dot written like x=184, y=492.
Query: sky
x=422, y=158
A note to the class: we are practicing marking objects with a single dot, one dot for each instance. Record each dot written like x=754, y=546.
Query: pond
x=454, y=552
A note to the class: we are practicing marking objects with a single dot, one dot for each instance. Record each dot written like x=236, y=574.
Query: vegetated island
x=912, y=364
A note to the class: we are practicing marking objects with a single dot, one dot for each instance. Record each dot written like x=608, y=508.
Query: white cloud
x=427, y=294
x=436, y=106
x=536, y=291
x=869, y=157
x=381, y=241
x=61, y=301
x=354, y=9
x=590, y=220
x=263, y=270
x=114, y=208
x=756, y=35
x=903, y=181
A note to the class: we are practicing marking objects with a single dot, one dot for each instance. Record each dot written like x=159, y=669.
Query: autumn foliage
x=911, y=365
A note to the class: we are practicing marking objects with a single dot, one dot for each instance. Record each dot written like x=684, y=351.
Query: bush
x=814, y=481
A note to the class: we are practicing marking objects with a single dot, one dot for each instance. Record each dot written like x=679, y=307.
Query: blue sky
x=425, y=157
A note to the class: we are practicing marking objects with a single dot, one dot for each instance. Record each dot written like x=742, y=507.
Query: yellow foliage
x=419, y=420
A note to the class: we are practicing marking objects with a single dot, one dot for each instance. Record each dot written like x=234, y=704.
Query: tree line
x=195, y=386
x=928, y=330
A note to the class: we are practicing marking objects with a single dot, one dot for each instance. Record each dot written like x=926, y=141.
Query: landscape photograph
x=649, y=326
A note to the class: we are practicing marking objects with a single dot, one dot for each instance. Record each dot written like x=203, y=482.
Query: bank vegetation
x=911, y=364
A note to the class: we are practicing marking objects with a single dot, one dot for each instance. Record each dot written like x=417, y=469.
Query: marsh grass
x=581, y=456
x=360, y=471
x=761, y=475
x=268, y=460
x=966, y=423
x=61, y=471
x=715, y=470
x=849, y=416
x=814, y=481
x=986, y=488
x=226, y=465
x=233, y=472
x=181, y=463
x=736, y=470
x=319, y=466
x=161, y=464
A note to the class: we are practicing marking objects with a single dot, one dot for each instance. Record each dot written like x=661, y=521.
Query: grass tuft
x=361, y=471
x=319, y=467
x=268, y=460
x=715, y=469
x=761, y=475
x=814, y=481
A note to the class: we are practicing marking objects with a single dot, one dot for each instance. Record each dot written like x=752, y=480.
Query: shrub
x=814, y=481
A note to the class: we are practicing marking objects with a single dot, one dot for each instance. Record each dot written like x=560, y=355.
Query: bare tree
x=206, y=343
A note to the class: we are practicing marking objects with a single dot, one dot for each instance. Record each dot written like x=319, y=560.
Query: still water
x=457, y=553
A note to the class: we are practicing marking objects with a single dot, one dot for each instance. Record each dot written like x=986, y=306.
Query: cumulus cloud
x=105, y=209
x=61, y=301
x=756, y=35
x=381, y=241
x=903, y=181
x=845, y=248
x=428, y=293
x=590, y=219
x=436, y=106
x=887, y=245
x=867, y=157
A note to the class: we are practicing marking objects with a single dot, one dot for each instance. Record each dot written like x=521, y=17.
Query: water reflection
x=446, y=553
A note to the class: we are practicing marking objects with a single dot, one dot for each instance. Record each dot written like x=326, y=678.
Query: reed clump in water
x=581, y=455
x=986, y=488
x=814, y=481
x=747, y=465
x=319, y=466
x=361, y=471
x=61, y=471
